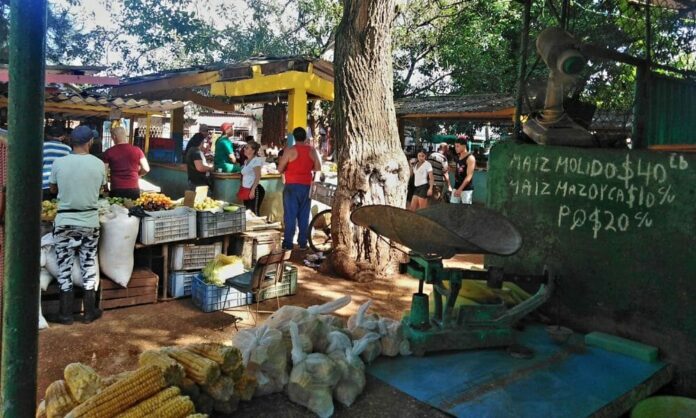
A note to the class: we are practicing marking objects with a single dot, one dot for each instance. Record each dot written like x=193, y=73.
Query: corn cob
x=58, y=400
x=245, y=387
x=177, y=407
x=173, y=372
x=110, y=380
x=141, y=384
x=198, y=416
x=83, y=382
x=150, y=405
x=221, y=389
x=41, y=410
x=227, y=407
x=237, y=373
x=205, y=403
x=229, y=358
x=190, y=388
x=198, y=368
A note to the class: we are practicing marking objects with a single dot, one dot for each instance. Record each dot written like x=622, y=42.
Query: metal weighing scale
x=440, y=232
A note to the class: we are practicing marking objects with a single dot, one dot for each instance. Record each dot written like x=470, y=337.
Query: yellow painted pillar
x=148, y=125
x=297, y=109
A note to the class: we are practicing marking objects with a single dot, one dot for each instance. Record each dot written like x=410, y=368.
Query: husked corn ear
x=245, y=387
x=141, y=384
x=229, y=358
x=177, y=407
x=83, y=382
x=198, y=416
x=190, y=388
x=150, y=405
x=173, y=372
x=221, y=389
x=198, y=368
x=58, y=400
x=227, y=407
x=110, y=380
x=237, y=373
x=204, y=403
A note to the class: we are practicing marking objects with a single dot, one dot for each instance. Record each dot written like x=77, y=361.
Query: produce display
x=209, y=204
x=49, y=208
x=174, y=382
x=221, y=268
x=154, y=202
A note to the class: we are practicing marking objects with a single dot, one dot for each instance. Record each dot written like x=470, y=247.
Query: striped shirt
x=52, y=150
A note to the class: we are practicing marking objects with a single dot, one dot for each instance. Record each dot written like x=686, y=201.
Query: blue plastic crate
x=211, y=298
x=162, y=155
x=180, y=283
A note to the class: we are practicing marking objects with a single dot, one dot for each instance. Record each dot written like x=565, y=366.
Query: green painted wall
x=619, y=228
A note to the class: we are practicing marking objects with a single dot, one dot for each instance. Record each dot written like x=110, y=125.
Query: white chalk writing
x=634, y=183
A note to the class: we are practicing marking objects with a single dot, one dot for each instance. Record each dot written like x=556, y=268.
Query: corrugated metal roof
x=86, y=104
x=477, y=103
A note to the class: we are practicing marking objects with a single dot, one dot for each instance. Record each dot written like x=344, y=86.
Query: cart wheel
x=320, y=232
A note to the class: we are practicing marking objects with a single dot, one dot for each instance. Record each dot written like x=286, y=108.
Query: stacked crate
x=187, y=261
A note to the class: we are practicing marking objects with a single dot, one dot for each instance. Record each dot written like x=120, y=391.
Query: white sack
x=352, y=381
x=116, y=243
x=45, y=279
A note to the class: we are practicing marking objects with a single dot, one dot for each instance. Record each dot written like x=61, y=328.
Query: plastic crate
x=180, y=283
x=221, y=223
x=168, y=225
x=287, y=286
x=211, y=298
x=323, y=192
x=161, y=155
x=192, y=256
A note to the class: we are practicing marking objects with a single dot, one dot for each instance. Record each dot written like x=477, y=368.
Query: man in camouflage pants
x=78, y=179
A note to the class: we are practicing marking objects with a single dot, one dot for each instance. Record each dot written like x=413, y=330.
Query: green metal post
x=27, y=44
x=522, y=70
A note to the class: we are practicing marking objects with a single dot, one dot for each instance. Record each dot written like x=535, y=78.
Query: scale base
x=436, y=338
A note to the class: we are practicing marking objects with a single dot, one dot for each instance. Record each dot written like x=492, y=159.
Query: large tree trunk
x=371, y=164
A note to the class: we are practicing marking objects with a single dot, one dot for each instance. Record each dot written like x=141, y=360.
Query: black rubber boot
x=92, y=313
x=65, y=315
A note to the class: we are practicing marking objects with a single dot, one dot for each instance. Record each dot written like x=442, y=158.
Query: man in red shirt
x=297, y=163
x=126, y=163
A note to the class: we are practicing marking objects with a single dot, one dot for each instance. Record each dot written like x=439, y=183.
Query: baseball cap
x=225, y=126
x=82, y=135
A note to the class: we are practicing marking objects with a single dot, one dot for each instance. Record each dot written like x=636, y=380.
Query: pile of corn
x=173, y=382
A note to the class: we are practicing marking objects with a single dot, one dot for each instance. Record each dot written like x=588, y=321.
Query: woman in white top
x=251, y=192
x=423, y=182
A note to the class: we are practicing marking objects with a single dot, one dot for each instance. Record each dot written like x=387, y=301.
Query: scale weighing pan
x=443, y=230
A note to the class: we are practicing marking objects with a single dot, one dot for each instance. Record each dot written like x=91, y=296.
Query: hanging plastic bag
x=118, y=234
x=312, y=378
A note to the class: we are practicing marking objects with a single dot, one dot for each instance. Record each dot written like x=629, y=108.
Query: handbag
x=243, y=193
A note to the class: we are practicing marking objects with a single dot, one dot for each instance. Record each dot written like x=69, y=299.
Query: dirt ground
x=113, y=343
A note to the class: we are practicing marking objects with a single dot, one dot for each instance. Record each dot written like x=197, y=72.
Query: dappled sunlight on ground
x=113, y=343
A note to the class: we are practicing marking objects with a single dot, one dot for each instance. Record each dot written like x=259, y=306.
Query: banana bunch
x=208, y=204
x=154, y=201
x=49, y=208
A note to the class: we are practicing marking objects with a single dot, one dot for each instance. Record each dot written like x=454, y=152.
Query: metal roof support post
x=522, y=70
x=297, y=110
x=23, y=218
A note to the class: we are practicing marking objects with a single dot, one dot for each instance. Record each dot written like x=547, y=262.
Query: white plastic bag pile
x=314, y=356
